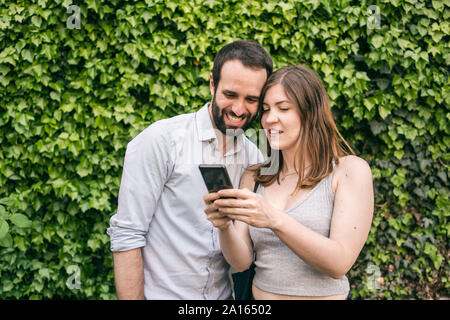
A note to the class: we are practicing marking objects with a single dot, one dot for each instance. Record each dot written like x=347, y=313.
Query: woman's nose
x=270, y=117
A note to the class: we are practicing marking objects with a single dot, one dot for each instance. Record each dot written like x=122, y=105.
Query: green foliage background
x=71, y=99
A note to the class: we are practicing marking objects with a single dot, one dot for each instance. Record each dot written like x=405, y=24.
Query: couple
x=306, y=222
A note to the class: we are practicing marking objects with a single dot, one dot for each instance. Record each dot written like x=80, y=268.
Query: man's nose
x=239, y=108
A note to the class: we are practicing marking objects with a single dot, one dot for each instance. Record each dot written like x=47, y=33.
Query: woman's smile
x=272, y=133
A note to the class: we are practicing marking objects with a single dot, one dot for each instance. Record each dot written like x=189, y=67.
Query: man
x=162, y=243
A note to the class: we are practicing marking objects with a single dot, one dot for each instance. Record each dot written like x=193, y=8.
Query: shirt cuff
x=124, y=239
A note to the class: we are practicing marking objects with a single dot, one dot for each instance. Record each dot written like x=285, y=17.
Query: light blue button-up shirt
x=161, y=206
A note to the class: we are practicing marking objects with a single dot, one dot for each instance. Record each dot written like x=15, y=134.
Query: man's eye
x=252, y=100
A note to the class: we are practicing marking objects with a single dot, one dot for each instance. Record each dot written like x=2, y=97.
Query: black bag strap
x=256, y=186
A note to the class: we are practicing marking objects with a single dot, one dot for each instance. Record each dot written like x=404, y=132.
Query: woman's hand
x=248, y=207
x=218, y=220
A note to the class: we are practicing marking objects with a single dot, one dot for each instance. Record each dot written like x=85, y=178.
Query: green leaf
x=384, y=112
x=20, y=243
x=369, y=103
x=36, y=21
x=94, y=244
x=382, y=83
x=20, y=220
x=83, y=171
x=4, y=80
x=26, y=54
x=6, y=241
x=438, y=4
x=4, y=228
x=399, y=154
x=44, y=273
x=55, y=96
x=7, y=201
x=2, y=212
x=377, y=41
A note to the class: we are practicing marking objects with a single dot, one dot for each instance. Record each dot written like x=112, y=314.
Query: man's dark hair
x=249, y=52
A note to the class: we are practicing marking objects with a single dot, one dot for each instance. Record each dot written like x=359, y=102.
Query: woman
x=309, y=220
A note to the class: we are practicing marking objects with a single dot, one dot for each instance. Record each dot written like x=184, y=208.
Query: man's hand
x=218, y=220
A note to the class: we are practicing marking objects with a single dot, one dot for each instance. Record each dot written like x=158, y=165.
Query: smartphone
x=216, y=177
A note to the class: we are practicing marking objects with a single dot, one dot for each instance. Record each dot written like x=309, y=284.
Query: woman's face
x=280, y=120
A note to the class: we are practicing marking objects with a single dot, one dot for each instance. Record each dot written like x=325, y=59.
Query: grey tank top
x=278, y=269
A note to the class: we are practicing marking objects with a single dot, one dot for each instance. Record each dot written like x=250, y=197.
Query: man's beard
x=219, y=120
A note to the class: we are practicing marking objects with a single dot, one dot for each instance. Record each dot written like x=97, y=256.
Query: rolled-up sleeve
x=145, y=171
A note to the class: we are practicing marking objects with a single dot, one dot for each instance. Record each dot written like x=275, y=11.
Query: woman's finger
x=235, y=193
x=234, y=211
x=232, y=203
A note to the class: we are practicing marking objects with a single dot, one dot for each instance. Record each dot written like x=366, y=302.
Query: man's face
x=235, y=100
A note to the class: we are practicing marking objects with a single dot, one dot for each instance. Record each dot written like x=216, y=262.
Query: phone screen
x=216, y=177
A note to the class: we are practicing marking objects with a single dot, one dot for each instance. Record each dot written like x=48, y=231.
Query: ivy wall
x=80, y=79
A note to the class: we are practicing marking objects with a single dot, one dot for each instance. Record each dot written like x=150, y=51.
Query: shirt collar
x=206, y=130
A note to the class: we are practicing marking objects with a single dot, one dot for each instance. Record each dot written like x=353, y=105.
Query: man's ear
x=211, y=84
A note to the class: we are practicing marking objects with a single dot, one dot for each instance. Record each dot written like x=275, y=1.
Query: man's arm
x=145, y=171
x=129, y=275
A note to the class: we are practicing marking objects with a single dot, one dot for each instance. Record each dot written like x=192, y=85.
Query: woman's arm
x=235, y=246
x=233, y=236
x=350, y=225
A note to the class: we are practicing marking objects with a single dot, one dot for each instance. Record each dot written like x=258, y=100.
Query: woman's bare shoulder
x=352, y=165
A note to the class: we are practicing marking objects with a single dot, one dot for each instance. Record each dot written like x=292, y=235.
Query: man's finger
x=211, y=197
x=210, y=208
x=216, y=217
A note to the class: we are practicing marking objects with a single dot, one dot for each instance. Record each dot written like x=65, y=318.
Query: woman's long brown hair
x=318, y=138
